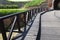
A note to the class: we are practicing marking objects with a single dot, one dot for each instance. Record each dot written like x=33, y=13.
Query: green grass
x=33, y=3
x=10, y=11
x=6, y=6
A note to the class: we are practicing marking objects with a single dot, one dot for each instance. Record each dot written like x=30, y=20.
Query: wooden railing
x=29, y=17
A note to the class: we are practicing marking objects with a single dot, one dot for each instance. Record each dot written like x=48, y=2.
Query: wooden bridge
x=39, y=25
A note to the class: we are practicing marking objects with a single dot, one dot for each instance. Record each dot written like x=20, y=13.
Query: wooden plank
x=32, y=34
x=50, y=27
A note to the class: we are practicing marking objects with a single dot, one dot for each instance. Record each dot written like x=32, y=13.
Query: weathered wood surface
x=50, y=26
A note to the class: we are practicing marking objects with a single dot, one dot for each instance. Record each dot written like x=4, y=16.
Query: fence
x=28, y=17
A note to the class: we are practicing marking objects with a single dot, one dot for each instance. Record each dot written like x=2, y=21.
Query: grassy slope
x=34, y=3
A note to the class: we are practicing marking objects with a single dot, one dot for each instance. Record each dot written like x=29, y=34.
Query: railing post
x=12, y=28
x=2, y=29
x=32, y=12
x=29, y=16
x=25, y=18
x=41, y=9
x=38, y=10
x=18, y=23
x=25, y=22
